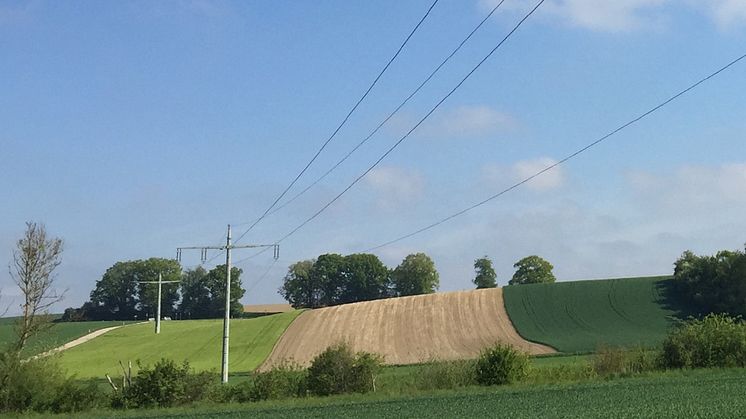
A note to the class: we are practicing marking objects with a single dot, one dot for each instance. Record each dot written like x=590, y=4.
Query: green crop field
x=58, y=334
x=198, y=341
x=581, y=315
x=687, y=394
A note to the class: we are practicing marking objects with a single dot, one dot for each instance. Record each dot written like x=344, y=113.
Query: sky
x=131, y=128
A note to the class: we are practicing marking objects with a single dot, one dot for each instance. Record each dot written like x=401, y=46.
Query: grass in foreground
x=698, y=393
x=198, y=341
x=59, y=334
x=581, y=315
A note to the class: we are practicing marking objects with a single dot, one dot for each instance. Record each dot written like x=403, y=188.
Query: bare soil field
x=406, y=330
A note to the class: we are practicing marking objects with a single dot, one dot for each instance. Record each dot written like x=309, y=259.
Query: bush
x=501, y=364
x=611, y=361
x=714, y=341
x=282, y=382
x=338, y=370
x=166, y=384
x=40, y=385
x=444, y=375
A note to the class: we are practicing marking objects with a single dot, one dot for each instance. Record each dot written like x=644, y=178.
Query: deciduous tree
x=532, y=270
x=416, y=274
x=485, y=274
x=34, y=260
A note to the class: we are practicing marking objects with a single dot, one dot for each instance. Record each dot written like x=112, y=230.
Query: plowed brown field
x=406, y=330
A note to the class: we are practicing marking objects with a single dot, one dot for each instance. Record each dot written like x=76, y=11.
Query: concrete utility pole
x=227, y=320
x=160, y=282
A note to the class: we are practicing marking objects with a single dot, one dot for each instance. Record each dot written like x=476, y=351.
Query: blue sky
x=131, y=128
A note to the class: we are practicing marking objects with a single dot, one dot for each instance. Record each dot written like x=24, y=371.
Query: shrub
x=166, y=384
x=444, y=375
x=501, y=364
x=40, y=385
x=282, y=382
x=611, y=361
x=338, y=370
x=714, y=341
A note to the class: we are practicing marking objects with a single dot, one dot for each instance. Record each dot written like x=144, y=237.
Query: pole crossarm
x=227, y=319
x=203, y=249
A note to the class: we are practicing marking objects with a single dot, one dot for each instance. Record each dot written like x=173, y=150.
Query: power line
x=341, y=124
x=565, y=159
x=434, y=108
x=394, y=112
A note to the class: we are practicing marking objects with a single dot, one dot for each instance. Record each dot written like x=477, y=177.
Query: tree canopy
x=712, y=284
x=485, y=274
x=415, y=275
x=119, y=296
x=334, y=279
x=532, y=270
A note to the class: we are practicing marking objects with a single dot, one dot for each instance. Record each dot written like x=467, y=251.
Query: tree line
x=199, y=294
x=333, y=279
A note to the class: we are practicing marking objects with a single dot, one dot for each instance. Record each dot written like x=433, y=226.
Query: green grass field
x=581, y=315
x=59, y=334
x=679, y=394
x=198, y=341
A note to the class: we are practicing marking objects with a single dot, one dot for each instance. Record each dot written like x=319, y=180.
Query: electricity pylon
x=227, y=320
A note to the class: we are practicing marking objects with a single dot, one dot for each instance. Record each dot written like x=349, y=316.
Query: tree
x=195, y=296
x=485, y=274
x=34, y=260
x=118, y=296
x=712, y=284
x=326, y=275
x=215, y=283
x=532, y=270
x=364, y=277
x=298, y=287
x=415, y=275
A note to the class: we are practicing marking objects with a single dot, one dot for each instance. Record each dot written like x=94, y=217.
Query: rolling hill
x=405, y=330
x=579, y=316
x=198, y=341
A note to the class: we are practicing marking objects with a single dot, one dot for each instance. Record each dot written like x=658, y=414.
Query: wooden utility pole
x=227, y=319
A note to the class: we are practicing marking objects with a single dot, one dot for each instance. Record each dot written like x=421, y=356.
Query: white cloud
x=549, y=180
x=694, y=191
x=606, y=16
x=395, y=187
x=726, y=13
x=628, y=15
x=467, y=121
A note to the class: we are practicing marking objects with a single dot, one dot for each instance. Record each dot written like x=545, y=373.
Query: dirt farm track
x=406, y=330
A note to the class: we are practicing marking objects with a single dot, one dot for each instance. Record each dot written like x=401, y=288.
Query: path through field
x=406, y=330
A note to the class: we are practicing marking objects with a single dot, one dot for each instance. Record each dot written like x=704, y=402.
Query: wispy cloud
x=505, y=175
x=462, y=122
x=395, y=187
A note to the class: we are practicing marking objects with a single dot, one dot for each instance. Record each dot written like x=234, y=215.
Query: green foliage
x=338, y=370
x=446, y=375
x=698, y=394
x=501, y=364
x=415, y=275
x=282, y=382
x=298, y=287
x=203, y=293
x=712, y=284
x=118, y=295
x=714, y=341
x=196, y=340
x=39, y=385
x=615, y=361
x=578, y=316
x=166, y=384
x=532, y=270
x=485, y=274
x=365, y=278
x=335, y=279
